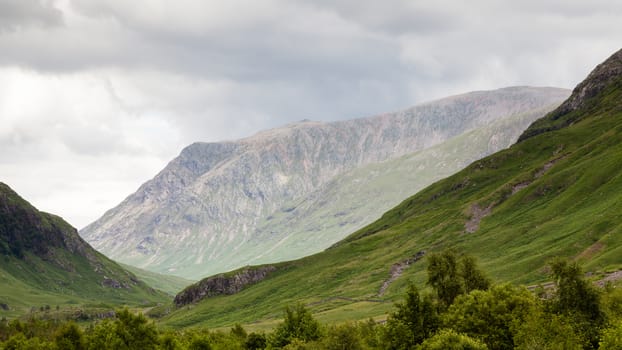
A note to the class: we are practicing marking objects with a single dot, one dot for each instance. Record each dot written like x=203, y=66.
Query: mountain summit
x=605, y=76
x=280, y=194
x=557, y=194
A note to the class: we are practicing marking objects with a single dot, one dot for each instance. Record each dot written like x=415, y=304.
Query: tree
x=413, y=321
x=69, y=337
x=135, y=331
x=578, y=299
x=342, y=337
x=443, y=276
x=491, y=315
x=199, y=342
x=297, y=324
x=543, y=330
x=574, y=294
x=448, y=339
x=611, y=337
x=255, y=341
x=472, y=277
x=451, y=276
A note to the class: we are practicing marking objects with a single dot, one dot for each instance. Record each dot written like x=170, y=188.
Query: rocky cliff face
x=605, y=75
x=222, y=285
x=200, y=215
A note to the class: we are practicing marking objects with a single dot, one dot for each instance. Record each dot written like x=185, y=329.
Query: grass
x=45, y=264
x=562, y=211
x=168, y=284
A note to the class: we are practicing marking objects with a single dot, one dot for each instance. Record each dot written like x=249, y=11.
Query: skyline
x=97, y=97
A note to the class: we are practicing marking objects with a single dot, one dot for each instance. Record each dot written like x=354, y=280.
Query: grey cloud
x=20, y=14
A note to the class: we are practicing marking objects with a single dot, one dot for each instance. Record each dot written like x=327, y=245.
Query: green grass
x=575, y=205
x=169, y=284
x=45, y=264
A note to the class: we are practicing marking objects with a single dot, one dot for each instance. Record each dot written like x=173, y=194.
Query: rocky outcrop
x=603, y=76
x=222, y=285
x=397, y=269
x=210, y=210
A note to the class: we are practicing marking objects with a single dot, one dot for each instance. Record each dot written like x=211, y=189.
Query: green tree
x=578, y=299
x=491, y=315
x=255, y=341
x=342, y=337
x=69, y=337
x=126, y=332
x=451, y=276
x=611, y=337
x=168, y=341
x=104, y=336
x=414, y=320
x=135, y=331
x=472, y=277
x=297, y=324
x=448, y=339
x=574, y=294
x=443, y=276
x=199, y=342
x=546, y=331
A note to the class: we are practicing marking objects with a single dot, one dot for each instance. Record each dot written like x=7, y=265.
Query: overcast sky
x=97, y=96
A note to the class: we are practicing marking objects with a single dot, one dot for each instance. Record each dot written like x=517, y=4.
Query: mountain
x=46, y=262
x=274, y=196
x=556, y=193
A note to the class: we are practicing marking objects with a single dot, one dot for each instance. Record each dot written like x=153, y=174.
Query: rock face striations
x=222, y=284
x=278, y=194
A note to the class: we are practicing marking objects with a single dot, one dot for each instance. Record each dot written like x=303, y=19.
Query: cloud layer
x=96, y=96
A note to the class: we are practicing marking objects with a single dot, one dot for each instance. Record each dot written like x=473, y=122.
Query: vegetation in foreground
x=461, y=310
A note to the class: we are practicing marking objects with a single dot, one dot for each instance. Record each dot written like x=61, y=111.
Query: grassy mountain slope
x=45, y=262
x=558, y=192
x=218, y=193
x=169, y=284
x=344, y=206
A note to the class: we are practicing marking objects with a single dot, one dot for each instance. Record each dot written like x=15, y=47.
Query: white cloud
x=97, y=96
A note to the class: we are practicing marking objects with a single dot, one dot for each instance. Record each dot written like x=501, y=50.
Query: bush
x=448, y=339
x=298, y=324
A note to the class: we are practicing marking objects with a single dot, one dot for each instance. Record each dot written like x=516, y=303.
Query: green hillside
x=169, y=284
x=44, y=264
x=558, y=192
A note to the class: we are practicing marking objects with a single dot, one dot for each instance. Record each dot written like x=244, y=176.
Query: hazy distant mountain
x=292, y=191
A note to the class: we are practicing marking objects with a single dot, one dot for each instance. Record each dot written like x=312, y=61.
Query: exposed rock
x=397, y=269
x=477, y=214
x=604, y=75
x=4, y=306
x=222, y=285
x=206, y=212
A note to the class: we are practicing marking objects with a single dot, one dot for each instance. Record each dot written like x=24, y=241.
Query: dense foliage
x=573, y=314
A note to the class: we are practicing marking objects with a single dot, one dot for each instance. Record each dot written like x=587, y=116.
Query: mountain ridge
x=45, y=260
x=217, y=193
x=556, y=194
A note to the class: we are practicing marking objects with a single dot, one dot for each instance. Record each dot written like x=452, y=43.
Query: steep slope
x=44, y=261
x=201, y=213
x=558, y=192
x=361, y=195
